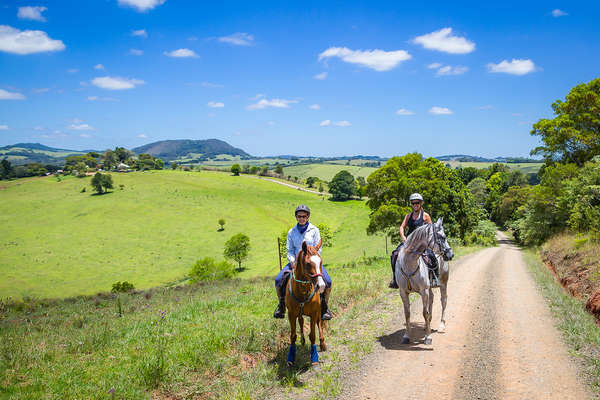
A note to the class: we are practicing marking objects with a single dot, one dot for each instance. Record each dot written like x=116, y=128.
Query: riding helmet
x=415, y=196
x=304, y=208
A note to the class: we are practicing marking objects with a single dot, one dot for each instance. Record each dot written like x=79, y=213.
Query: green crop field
x=326, y=171
x=524, y=167
x=59, y=242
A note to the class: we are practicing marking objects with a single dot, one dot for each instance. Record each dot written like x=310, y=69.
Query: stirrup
x=435, y=281
x=393, y=284
x=326, y=316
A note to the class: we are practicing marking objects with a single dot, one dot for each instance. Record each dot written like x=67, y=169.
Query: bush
x=122, y=287
x=207, y=269
x=484, y=234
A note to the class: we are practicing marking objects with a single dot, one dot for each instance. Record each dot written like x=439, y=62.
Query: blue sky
x=308, y=78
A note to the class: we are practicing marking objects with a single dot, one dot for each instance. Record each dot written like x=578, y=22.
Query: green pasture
x=523, y=167
x=326, y=171
x=59, y=242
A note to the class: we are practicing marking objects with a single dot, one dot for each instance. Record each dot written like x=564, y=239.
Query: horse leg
x=426, y=315
x=291, y=358
x=314, y=355
x=301, y=323
x=406, y=302
x=322, y=344
x=444, y=275
x=430, y=304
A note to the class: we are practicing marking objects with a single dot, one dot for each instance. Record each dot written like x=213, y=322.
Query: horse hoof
x=405, y=340
x=290, y=364
x=442, y=327
x=323, y=347
x=428, y=340
x=315, y=364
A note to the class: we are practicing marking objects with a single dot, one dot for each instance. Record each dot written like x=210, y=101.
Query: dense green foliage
x=444, y=192
x=122, y=287
x=326, y=234
x=237, y=248
x=101, y=182
x=342, y=186
x=207, y=269
x=236, y=169
x=484, y=234
x=573, y=135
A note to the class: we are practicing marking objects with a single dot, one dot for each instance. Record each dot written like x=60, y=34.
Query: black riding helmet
x=302, y=207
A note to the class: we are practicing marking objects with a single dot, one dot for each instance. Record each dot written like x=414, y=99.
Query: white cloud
x=342, y=123
x=440, y=111
x=321, y=76
x=443, y=40
x=258, y=96
x=210, y=85
x=27, y=42
x=98, y=66
x=3, y=127
x=141, y=5
x=142, y=136
x=449, y=70
x=5, y=95
x=85, y=135
x=116, y=83
x=181, y=53
x=72, y=70
x=558, y=13
x=140, y=32
x=238, y=39
x=434, y=65
x=136, y=52
x=315, y=107
x=34, y=13
x=514, y=67
x=98, y=98
x=404, y=111
x=80, y=127
x=276, y=103
x=327, y=122
x=214, y=104
x=379, y=60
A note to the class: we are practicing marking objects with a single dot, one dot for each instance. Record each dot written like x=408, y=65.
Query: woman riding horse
x=304, y=231
x=412, y=221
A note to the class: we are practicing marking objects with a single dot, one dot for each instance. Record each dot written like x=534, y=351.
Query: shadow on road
x=393, y=341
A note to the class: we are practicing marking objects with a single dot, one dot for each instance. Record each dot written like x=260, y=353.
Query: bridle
x=435, y=240
x=312, y=294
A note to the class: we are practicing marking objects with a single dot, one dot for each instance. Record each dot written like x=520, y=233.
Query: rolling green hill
x=153, y=230
x=25, y=153
x=200, y=149
x=326, y=171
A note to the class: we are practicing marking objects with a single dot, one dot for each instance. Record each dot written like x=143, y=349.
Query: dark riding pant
x=285, y=272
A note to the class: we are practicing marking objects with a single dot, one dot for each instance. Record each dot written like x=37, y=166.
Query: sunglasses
x=414, y=203
x=302, y=216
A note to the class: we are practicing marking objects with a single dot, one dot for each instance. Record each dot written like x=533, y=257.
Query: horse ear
x=440, y=221
x=304, y=247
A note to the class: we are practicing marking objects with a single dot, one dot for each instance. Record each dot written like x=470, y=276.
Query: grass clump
x=207, y=269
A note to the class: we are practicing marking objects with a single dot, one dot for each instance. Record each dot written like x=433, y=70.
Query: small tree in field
x=236, y=169
x=326, y=235
x=102, y=182
x=237, y=248
x=222, y=223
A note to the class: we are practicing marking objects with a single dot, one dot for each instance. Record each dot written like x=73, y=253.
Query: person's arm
x=318, y=240
x=426, y=218
x=403, y=226
x=291, y=250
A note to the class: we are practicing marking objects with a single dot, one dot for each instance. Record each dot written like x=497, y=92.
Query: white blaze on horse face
x=320, y=282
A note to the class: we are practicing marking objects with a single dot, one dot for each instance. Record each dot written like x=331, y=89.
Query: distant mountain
x=25, y=153
x=197, y=149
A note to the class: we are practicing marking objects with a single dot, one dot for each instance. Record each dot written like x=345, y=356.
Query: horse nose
x=320, y=285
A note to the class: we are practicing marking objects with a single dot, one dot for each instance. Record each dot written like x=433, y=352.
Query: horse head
x=440, y=241
x=311, y=266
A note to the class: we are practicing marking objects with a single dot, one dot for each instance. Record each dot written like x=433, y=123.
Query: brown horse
x=302, y=297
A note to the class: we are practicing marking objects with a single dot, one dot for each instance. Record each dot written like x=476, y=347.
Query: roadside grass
x=577, y=326
x=59, y=242
x=203, y=341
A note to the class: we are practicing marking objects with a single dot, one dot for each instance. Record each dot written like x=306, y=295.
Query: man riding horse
x=412, y=221
x=303, y=231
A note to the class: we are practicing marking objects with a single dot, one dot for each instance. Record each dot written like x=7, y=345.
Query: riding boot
x=393, y=284
x=280, y=311
x=435, y=273
x=325, y=313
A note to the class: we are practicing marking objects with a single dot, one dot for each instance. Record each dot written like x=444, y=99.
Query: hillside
x=197, y=150
x=25, y=153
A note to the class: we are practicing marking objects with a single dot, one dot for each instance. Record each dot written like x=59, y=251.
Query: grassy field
x=213, y=341
x=326, y=171
x=59, y=242
x=524, y=167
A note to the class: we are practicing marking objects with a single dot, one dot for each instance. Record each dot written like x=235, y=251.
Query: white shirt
x=311, y=236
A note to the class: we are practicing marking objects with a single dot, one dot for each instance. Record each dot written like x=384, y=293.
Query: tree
x=573, y=136
x=174, y=165
x=478, y=190
x=342, y=186
x=101, y=182
x=235, y=169
x=158, y=163
x=310, y=181
x=207, y=269
x=110, y=160
x=279, y=169
x=445, y=195
x=264, y=171
x=122, y=154
x=326, y=234
x=253, y=169
x=6, y=169
x=222, y=224
x=237, y=248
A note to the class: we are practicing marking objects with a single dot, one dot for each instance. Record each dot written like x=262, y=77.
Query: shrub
x=484, y=234
x=122, y=287
x=207, y=269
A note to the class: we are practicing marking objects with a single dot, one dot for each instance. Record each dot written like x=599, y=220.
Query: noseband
x=314, y=290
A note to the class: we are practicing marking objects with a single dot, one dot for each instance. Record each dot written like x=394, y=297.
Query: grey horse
x=412, y=273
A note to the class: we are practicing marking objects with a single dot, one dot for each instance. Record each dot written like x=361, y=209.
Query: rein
x=314, y=290
x=434, y=239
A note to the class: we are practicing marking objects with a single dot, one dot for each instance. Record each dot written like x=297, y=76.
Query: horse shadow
x=393, y=341
x=289, y=376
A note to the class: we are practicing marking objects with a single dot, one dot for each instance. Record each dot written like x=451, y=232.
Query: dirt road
x=499, y=343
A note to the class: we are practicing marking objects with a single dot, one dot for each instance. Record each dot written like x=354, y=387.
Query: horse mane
x=417, y=236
